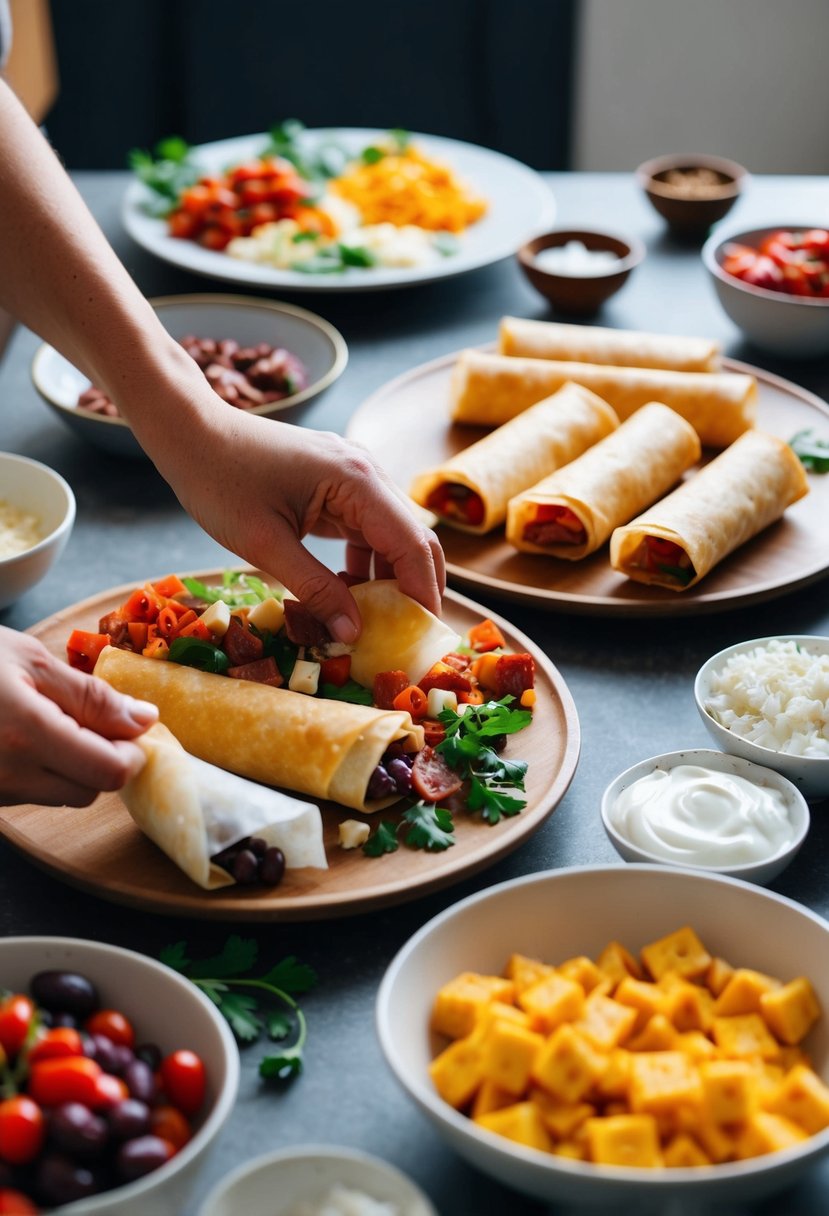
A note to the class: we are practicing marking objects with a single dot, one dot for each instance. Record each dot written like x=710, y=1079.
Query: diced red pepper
x=434, y=732
x=336, y=670
x=83, y=648
x=486, y=636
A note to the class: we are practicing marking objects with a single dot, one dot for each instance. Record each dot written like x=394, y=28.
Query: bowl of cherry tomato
x=773, y=283
x=116, y=1076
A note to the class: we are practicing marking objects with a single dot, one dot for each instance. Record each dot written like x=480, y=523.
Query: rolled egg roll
x=593, y=344
x=573, y=511
x=489, y=390
x=471, y=490
x=679, y=539
x=326, y=749
x=193, y=810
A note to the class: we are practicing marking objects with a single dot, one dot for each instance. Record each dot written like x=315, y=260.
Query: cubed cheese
x=305, y=677
x=353, y=833
x=268, y=616
x=439, y=699
x=216, y=618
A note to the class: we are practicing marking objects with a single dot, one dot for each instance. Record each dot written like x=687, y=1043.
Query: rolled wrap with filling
x=618, y=347
x=678, y=540
x=572, y=512
x=471, y=490
x=193, y=810
x=326, y=749
x=489, y=390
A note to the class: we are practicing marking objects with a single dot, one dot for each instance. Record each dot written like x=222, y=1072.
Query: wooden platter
x=405, y=425
x=99, y=848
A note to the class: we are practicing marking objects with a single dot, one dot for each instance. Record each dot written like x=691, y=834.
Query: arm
x=256, y=485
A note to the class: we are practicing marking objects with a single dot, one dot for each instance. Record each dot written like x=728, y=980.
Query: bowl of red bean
x=117, y=1076
x=261, y=356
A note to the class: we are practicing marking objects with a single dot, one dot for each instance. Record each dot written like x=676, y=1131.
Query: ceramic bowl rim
x=225, y=1097
x=654, y=1181
x=694, y=755
x=310, y=1151
x=812, y=763
x=627, y=262
x=198, y=299
x=60, y=529
x=646, y=175
x=719, y=239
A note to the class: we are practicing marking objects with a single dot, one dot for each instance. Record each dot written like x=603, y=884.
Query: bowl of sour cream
x=706, y=810
x=576, y=269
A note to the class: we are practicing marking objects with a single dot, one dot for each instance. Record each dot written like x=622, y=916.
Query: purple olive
x=401, y=774
x=128, y=1119
x=380, y=784
x=65, y=992
x=272, y=867
x=58, y=1179
x=245, y=867
x=74, y=1129
x=150, y=1053
x=140, y=1081
x=141, y=1156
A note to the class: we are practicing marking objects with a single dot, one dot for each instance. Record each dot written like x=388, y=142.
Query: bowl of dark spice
x=691, y=192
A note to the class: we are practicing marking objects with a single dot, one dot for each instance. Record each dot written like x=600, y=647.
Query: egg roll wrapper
x=550, y=433
x=746, y=488
x=593, y=344
x=398, y=633
x=193, y=810
x=612, y=481
x=326, y=749
x=488, y=390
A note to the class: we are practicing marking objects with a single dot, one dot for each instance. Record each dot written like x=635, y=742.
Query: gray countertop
x=631, y=680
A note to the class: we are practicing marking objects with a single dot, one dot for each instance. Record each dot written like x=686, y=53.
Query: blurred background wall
x=584, y=84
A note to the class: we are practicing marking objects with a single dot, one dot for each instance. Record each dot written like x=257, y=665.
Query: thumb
x=322, y=592
x=96, y=705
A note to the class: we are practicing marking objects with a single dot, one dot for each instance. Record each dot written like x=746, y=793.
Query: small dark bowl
x=580, y=295
x=690, y=216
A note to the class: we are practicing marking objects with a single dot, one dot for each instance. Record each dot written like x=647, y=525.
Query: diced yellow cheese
x=644, y=997
x=767, y=1133
x=803, y=1098
x=552, y=1001
x=624, y=1140
x=562, y=1119
x=682, y=952
x=718, y=975
x=746, y=1034
x=658, y=1035
x=683, y=1151
x=662, y=1081
x=458, y=1004
x=583, y=970
x=743, y=991
x=791, y=1010
x=457, y=1072
x=604, y=1022
x=567, y=1065
x=696, y=1044
x=508, y=1053
x=524, y=972
x=614, y=1081
x=730, y=1090
x=520, y=1122
x=617, y=962
x=688, y=1007
x=490, y=1097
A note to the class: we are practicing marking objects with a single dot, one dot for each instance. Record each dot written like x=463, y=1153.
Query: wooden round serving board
x=99, y=849
x=406, y=425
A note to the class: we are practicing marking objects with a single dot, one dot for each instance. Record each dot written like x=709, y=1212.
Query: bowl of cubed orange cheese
x=604, y=1034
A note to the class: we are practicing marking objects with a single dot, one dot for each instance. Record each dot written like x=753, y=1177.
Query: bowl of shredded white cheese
x=37, y=511
x=767, y=700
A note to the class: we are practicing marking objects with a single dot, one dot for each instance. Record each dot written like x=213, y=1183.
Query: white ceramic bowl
x=755, y=871
x=38, y=490
x=564, y=913
x=317, y=343
x=165, y=1009
x=276, y=1183
x=809, y=773
x=793, y=326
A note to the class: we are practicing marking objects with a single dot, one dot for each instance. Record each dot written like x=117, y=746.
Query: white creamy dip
x=698, y=816
x=574, y=258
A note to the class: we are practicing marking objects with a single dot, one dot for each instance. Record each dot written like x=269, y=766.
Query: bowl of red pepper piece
x=773, y=283
x=116, y=1076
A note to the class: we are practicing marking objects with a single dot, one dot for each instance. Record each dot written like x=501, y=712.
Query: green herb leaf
x=371, y=155
x=446, y=244
x=351, y=691
x=291, y=976
x=281, y=1067
x=168, y=172
x=492, y=804
x=240, y=1011
x=431, y=827
x=277, y=1025
x=237, y=957
x=401, y=137
x=280, y=647
x=356, y=255
x=382, y=840
x=811, y=451
x=237, y=590
x=194, y=652
x=175, y=956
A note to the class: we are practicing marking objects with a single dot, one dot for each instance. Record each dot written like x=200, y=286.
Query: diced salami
x=514, y=673
x=240, y=644
x=261, y=671
x=432, y=778
x=116, y=626
x=445, y=677
x=302, y=628
x=388, y=685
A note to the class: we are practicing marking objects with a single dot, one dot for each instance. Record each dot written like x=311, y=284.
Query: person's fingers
x=94, y=703
x=45, y=789
x=319, y=589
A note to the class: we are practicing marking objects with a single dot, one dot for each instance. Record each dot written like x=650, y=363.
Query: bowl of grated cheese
x=37, y=511
x=767, y=700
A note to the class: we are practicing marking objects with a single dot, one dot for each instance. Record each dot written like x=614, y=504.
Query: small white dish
x=318, y=345
x=274, y=1184
x=755, y=871
x=809, y=773
x=37, y=490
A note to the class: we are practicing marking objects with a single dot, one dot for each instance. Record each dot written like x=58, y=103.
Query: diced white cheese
x=438, y=699
x=353, y=833
x=269, y=615
x=217, y=618
x=305, y=677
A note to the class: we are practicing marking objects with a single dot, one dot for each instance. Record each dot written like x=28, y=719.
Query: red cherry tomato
x=22, y=1128
x=113, y=1025
x=432, y=778
x=109, y=1091
x=16, y=1014
x=170, y=1124
x=74, y=1079
x=184, y=1080
x=15, y=1203
x=57, y=1043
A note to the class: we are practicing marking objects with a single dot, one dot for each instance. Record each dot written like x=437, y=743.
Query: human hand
x=64, y=735
x=259, y=486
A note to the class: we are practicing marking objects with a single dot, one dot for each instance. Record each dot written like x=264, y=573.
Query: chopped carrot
x=169, y=586
x=412, y=700
x=137, y=631
x=486, y=636
x=473, y=697
x=83, y=648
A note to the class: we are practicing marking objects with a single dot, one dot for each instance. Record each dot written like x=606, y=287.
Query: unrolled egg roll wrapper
x=612, y=481
x=489, y=390
x=521, y=452
x=398, y=633
x=326, y=749
x=193, y=810
x=593, y=344
x=746, y=488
